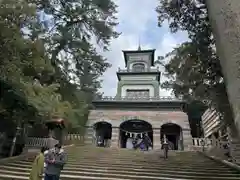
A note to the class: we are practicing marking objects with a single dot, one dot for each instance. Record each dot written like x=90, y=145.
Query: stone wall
x=155, y=118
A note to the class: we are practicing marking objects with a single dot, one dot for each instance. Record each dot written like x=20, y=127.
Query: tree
x=225, y=25
x=22, y=58
x=194, y=68
x=76, y=24
x=74, y=32
x=53, y=65
x=16, y=52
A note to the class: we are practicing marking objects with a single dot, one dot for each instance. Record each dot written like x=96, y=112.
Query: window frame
x=138, y=67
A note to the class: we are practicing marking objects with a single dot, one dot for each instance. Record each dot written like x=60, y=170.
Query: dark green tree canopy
x=193, y=68
x=53, y=64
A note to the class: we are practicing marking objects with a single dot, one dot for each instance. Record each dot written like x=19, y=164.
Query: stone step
x=114, y=164
x=141, y=164
x=134, y=171
x=103, y=159
x=139, y=176
x=116, y=167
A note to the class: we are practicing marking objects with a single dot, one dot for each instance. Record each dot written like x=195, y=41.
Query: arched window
x=138, y=67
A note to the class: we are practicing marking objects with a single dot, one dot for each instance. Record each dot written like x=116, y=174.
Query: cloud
x=137, y=18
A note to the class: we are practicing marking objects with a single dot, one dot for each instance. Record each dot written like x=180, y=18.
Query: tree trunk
x=224, y=16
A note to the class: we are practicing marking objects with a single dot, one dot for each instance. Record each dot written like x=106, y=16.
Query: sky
x=138, y=19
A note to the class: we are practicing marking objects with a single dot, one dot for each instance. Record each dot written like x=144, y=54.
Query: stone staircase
x=236, y=151
x=87, y=162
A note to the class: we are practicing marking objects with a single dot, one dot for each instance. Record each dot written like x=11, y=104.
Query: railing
x=138, y=71
x=198, y=142
x=208, y=143
x=35, y=142
x=74, y=137
x=127, y=98
x=215, y=147
x=40, y=142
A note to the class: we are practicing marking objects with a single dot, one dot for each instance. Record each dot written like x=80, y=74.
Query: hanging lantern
x=141, y=135
x=126, y=133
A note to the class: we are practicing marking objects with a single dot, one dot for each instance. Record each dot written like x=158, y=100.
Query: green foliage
x=16, y=54
x=53, y=69
x=194, y=68
x=74, y=29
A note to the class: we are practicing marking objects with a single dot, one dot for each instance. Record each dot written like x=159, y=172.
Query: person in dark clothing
x=165, y=147
x=55, y=161
x=134, y=142
x=100, y=141
x=147, y=141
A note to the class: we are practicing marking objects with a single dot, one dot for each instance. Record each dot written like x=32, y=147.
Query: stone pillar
x=187, y=139
x=89, y=137
x=180, y=143
x=156, y=138
x=115, y=137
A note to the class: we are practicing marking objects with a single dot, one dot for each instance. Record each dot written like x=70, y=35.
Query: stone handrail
x=127, y=98
x=214, y=147
x=35, y=142
x=198, y=142
x=132, y=70
x=74, y=139
x=40, y=142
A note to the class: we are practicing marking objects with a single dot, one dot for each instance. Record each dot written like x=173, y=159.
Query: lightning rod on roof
x=139, y=44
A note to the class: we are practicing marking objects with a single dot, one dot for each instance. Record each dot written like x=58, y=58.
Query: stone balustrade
x=35, y=142
x=221, y=148
x=74, y=137
x=128, y=98
x=133, y=70
x=199, y=142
